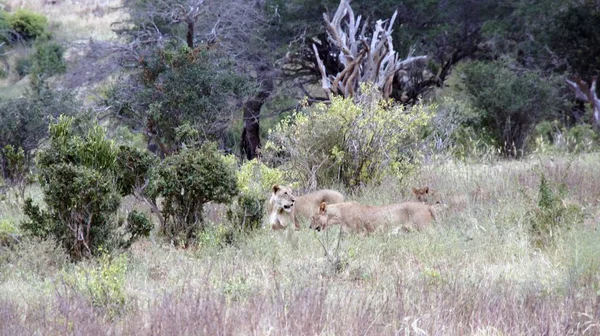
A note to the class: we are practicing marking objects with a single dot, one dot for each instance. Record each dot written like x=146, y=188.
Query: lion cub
x=284, y=208
x=357, y=217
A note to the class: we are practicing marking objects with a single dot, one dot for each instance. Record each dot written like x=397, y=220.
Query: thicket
x=179, y=89
x=186, y=181
x=510, y=102
x=352, y=141
x=77, y=174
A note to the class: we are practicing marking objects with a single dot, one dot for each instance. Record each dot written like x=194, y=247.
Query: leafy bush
x=188, y=180
x=552, y=136
x=182, y=87
x=552, y=215
x=254, y=181
x=15, y=167
x=103, y=285
x=133, y=167
x=27, y=25
x=24, y=121
x=47, y=60
x=511, y=103
x=78, y=175
x=353, y=141
x=138, y=225
x=455, y=129
x=23, y=66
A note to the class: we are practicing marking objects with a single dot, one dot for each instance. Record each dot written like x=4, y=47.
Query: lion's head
x=282, y=198
x=323, y=218
x=426, y=195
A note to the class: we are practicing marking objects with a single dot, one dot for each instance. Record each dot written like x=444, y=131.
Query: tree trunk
x=250, y=142
x=190, y=34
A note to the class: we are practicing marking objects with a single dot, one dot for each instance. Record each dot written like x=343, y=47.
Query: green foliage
x=27, y=25
x=78, y=180
x=197, y=88
x=47, y=60
x=14, y=163
x=349, y=141
x=138, y=225
x=103, y=284
x=553, y=137
x=254, y=180
x=552, y=216
x=188, y=180
x=23, y=66
x=574, y=37
x=511, y=103
x=24, y=121
x=133, y=167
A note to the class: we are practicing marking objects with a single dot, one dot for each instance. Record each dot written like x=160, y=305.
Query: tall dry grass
x=474, y=273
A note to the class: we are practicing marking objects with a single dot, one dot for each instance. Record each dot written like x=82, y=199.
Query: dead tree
x=364, y=58
x=587, y=94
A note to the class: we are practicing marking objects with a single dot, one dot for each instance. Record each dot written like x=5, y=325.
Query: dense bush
x=191, y=87
x=24, y=121
x=78, y=177
x=511, y=102
x=23, y=66
x=352, y=141
x=186, y=181
x=254, y=181
x=27, y=25
x=47, y=60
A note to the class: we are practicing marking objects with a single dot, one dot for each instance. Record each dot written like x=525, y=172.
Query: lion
x=284, y=208
x=458, y=202
x=356, y=217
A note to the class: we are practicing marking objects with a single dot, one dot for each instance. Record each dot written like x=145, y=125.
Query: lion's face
x=320, y=218
x=426, y=195
x=282, y=198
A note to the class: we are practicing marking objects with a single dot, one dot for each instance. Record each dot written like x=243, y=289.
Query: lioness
x=457, y=202
x=357, y=217
x=285, y=208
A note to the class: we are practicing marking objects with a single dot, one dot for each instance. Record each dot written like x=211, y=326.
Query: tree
x=511, y=101
x=574, y=39
x=187, y=180
x=78, y=177
x=194, y=87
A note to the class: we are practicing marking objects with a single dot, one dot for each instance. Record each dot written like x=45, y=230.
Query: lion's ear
x=322, y=207
x=426, y=190
x=415, y=191
x=275, y=188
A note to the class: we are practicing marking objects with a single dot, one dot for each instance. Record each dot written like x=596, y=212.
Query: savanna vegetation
x=139, y=141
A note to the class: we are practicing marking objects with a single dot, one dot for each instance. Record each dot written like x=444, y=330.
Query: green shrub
x=14, y=165
x=23, y=66
x=552, y=216
x=254, y=181
x=47, y=60
x=77, y=177
x=103, y=284
x=133, y=167
x=188, y=180
x=511, y=102
x=27, y=25
x=552, y=137
x=353, y=141
x=138, y=225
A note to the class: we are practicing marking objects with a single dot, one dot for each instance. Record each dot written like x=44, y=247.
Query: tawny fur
x=284, y=208
x=356, y=217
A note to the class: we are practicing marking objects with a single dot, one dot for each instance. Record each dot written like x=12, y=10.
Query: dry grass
x=76, y=19
x=475, y=273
